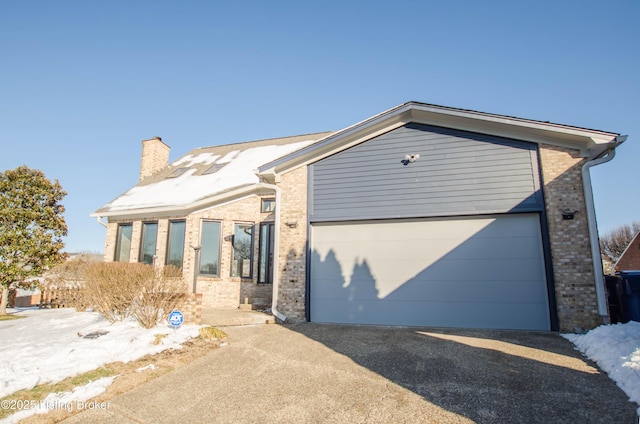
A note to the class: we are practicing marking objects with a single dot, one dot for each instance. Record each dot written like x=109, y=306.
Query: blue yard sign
x=176, y=318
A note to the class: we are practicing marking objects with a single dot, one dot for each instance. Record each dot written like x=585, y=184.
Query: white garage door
x=480, y=272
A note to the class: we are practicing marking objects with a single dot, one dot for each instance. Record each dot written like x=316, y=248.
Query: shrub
x=158, y=294
x=119, y=289
x=211, y=333
x=65, y=282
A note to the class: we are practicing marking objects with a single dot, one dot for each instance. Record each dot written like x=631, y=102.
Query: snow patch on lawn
x=74, y=400
x=48, y=345
x=616, y=350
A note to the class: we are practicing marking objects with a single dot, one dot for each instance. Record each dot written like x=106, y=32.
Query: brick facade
x=293, y=244
x=155, y=157
x=569, y=239
x=221, y=291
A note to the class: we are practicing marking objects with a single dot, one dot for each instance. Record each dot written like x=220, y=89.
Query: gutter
x=99, y=219
x=276, y=252
x=608, y=155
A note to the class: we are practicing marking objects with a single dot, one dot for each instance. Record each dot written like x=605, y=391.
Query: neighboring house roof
x=590, y=143
x=202, y=176
x=630, y=258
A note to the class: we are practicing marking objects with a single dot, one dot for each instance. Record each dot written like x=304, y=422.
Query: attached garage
x=473, y=272
x=429, y=226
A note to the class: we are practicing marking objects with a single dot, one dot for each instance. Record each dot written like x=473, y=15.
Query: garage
x=468, y=272
x=429, y=226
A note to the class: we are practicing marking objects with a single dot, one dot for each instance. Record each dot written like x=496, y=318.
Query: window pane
x=265, y=259
x=242, y=251
x=175, y=246
x=123, y=242
x=210, y=250
x=268, y=205
x=148, y=242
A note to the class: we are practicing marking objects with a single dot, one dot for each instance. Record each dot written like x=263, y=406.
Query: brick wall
x=293, y=253
x=569, y=239
x=155, y=157
x=222, y=291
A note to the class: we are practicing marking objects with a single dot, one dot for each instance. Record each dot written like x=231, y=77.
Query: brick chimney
x=155, y=157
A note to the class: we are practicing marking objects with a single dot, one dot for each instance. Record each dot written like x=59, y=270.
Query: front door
x=265, y=266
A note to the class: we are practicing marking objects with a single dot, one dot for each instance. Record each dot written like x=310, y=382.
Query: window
x=214, y=168
x=210, y=248
x=268, y=205
x=265, y=258
x=242, y=253
x=175, y=243
x=123, y=243
x=148, y=242
x=177, y=172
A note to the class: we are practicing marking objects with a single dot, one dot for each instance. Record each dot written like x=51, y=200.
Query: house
x=421, y=215
x=630, y=258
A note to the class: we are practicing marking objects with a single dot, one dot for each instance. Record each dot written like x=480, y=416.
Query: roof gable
x=630, y=258
x=591, y=143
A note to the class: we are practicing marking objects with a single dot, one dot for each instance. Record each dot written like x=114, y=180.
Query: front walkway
x=217, y=317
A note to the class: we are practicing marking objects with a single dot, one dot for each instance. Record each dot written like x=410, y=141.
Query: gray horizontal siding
x=458, y=173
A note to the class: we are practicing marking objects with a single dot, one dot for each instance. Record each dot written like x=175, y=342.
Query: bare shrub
x=111, y=287
x=159, y=294
x=64, y=284
x=119, y=289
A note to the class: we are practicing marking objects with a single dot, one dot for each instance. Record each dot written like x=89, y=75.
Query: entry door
x=265, y=269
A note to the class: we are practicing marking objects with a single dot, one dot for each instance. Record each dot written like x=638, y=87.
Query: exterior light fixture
x=567, y=214
x=291, y=224
x=410, y=159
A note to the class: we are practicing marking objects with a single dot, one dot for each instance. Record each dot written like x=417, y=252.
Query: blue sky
x=83, y=82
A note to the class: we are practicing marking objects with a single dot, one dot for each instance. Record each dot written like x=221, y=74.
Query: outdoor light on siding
x=291, y=224
x=410, y=159
x=567, y=214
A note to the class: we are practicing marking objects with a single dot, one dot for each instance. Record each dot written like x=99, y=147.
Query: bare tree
x=614, y=242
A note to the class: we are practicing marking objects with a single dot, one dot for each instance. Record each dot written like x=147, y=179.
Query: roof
x=190, y=183
x=630, y=258
x=201, y=176
x=590, y=143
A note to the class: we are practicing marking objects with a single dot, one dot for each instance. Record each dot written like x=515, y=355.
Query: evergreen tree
x=31, y=227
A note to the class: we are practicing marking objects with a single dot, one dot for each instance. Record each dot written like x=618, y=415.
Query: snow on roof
x=195, y=183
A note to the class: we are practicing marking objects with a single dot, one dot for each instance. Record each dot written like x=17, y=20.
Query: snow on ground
x=47, y=346
x=78, y=399
x=616, y=350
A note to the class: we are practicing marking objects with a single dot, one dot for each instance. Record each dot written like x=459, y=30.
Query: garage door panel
x=437, y=291
x=470, y=291
x=471, y=270
x=431, y=314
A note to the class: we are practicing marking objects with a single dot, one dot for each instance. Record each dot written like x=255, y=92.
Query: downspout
x=276, y=252
x=98, y=218
x=593, y=227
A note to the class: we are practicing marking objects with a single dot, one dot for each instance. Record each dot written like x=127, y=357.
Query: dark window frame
x=251, y=258
x=118, y=250
x=266, y=253
x=169, y=241
x=143, y=236
x=219, y=258
x=268, y=201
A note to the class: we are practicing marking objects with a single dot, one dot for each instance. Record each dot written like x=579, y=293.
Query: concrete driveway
x=356, y=374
